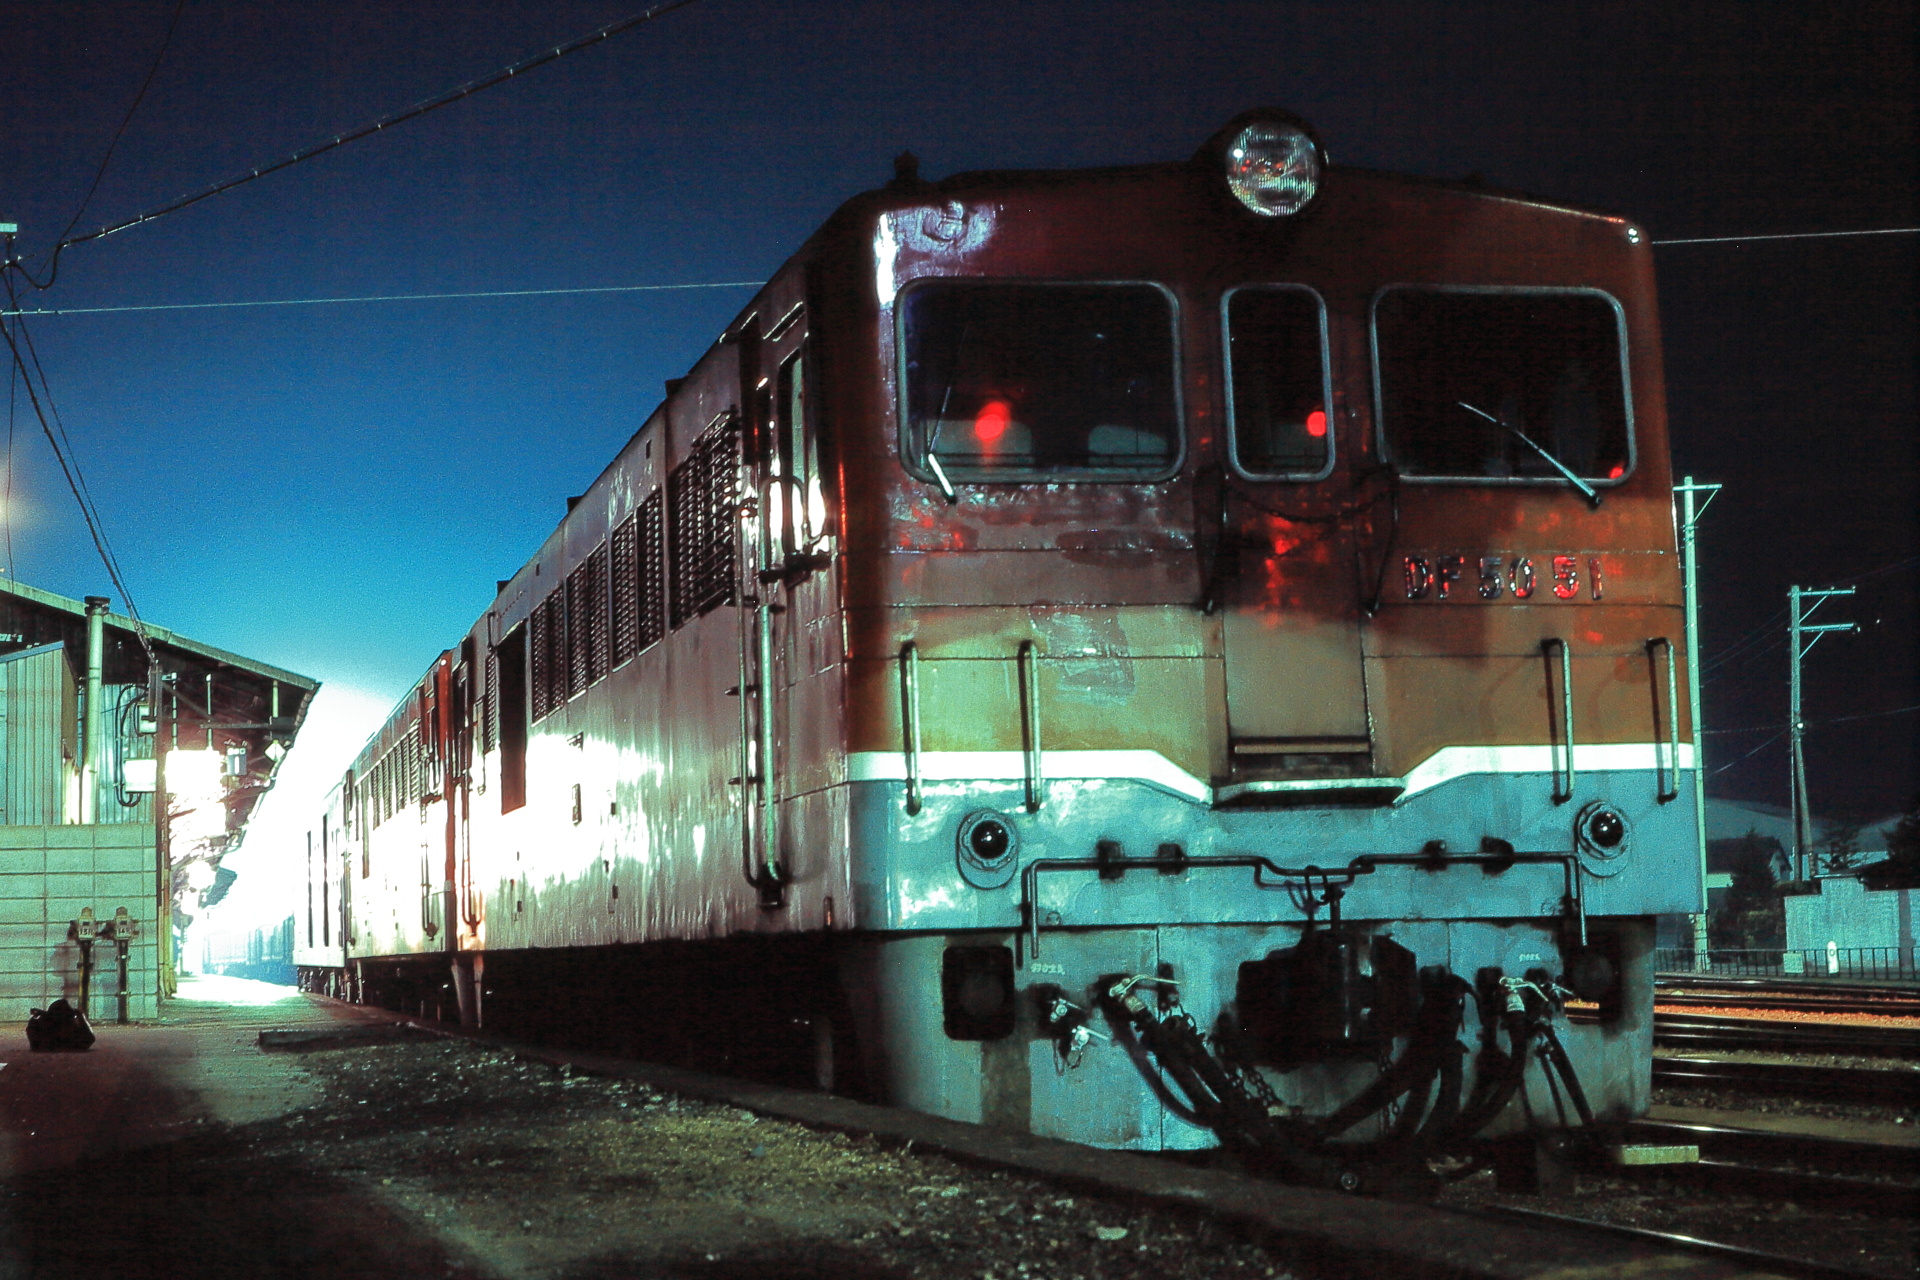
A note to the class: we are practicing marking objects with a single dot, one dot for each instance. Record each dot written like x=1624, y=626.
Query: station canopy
x=208, y=698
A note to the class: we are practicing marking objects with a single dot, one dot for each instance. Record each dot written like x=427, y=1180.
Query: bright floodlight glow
x=1273, y=168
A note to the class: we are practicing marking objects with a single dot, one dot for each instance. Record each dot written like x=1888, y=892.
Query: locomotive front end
x=1264, y=655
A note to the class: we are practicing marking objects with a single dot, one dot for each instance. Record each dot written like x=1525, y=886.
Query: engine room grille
x=597, y=622
x=623, y=569
x=579, y=650
x=540, y=657
x=652, y=579
x=702, y=497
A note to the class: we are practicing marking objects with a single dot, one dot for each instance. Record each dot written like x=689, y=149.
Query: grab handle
x=1666, y=781
x=910, y=719
x=1562, y=779
x=1030, y=708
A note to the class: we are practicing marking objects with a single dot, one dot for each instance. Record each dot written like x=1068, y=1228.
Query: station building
x=130, y=759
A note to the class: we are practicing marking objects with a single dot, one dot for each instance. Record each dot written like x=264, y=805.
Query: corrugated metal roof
x=158, y=635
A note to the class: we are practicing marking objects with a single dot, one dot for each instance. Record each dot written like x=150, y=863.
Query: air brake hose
x=1432, y=1035
x=1495, y=1089
x=1557, y=1055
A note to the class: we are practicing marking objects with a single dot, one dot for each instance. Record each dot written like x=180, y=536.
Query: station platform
x=131, y=1159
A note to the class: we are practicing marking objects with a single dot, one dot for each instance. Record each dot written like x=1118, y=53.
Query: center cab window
x=1005, y=381
x=1278, y=386
x=1499, y=385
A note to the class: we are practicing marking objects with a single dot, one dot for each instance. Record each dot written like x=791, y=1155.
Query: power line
x=414, y=112
x=1750, y=755
x=69, y=467
x=114, y=142
x=1792, y=235
x=387, y=297
x=1820, y=724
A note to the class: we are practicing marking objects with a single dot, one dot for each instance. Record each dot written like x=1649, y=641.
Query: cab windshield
x=1485, y=384
x=1005, y=381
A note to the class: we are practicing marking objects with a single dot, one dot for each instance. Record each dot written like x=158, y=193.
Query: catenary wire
x=53, y=267
x=446, y=98
x=387, y=297
x=1750, y=755
x=87, y=511
x=1792, y=235
x=1818, y=724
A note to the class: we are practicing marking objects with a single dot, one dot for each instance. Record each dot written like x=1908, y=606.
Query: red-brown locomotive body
x=1136, y=655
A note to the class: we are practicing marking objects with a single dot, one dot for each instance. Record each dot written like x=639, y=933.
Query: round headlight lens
x=1273, y=168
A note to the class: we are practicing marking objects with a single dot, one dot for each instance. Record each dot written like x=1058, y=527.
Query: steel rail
x=1772, y=1146
x=1788, y=1004
x=1692, y=1030
x=1794, y=987
x=1759, y=1261
x=1840, y=1084
x=1860, y=1195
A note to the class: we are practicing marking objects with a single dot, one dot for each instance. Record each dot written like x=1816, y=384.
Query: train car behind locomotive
x=1155, y=656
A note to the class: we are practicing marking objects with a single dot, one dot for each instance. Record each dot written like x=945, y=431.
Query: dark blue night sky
x=336, y=488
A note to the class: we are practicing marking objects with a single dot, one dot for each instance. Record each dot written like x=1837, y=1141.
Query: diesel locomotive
x=1168, y=656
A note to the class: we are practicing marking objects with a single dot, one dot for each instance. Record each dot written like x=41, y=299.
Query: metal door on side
x=783, y=543
x=1296, y=691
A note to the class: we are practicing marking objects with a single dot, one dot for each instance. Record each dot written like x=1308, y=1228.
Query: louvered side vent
x=652, y=577
x=702, y=497
x=623, y=577
x=540, y=649
x=578, y=633
x=490, y=705
x=597, y=628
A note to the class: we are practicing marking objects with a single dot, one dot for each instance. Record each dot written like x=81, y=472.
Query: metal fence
x=1810, y=962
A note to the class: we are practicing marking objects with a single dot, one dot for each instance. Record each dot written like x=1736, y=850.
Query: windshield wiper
x=932, y=464
x=1586, y=490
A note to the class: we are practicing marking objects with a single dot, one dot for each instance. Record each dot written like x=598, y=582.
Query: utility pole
x=1801, y=637
x=1689, y=551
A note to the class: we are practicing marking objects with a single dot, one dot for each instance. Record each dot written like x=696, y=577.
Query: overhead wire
x=69, y=467
x=53, y=266
x=424, y=106
x=1750, y=755
x=1792, y=235
x=388, y=297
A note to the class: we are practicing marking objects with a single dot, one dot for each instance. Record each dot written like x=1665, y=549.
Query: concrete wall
x=1848, y=914
x=47, y=874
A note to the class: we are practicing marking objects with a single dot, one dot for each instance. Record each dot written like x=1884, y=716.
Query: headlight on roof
x=1272, y=162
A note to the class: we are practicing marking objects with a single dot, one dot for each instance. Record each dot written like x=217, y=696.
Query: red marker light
x=992, y=421
x=1317, y=424
x=1619, y=469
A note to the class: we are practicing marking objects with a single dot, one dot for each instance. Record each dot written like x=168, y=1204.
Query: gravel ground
x=524, y=1170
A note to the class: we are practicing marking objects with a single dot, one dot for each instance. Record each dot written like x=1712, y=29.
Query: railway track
x=1719, y=1034
x=1830, y=1084
x=1756, y=1163
x=1751, y=1259
x=1688, y=991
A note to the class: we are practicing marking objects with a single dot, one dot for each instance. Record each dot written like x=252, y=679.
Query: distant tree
x=1901, y=870
x=1840, y=851
x=1750, y=916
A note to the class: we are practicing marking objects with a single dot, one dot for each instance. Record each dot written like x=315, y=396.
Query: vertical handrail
x=910, y=720
x=1563, y=792
x=1030, y=715
x=763, y=707
x=1666, y=782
